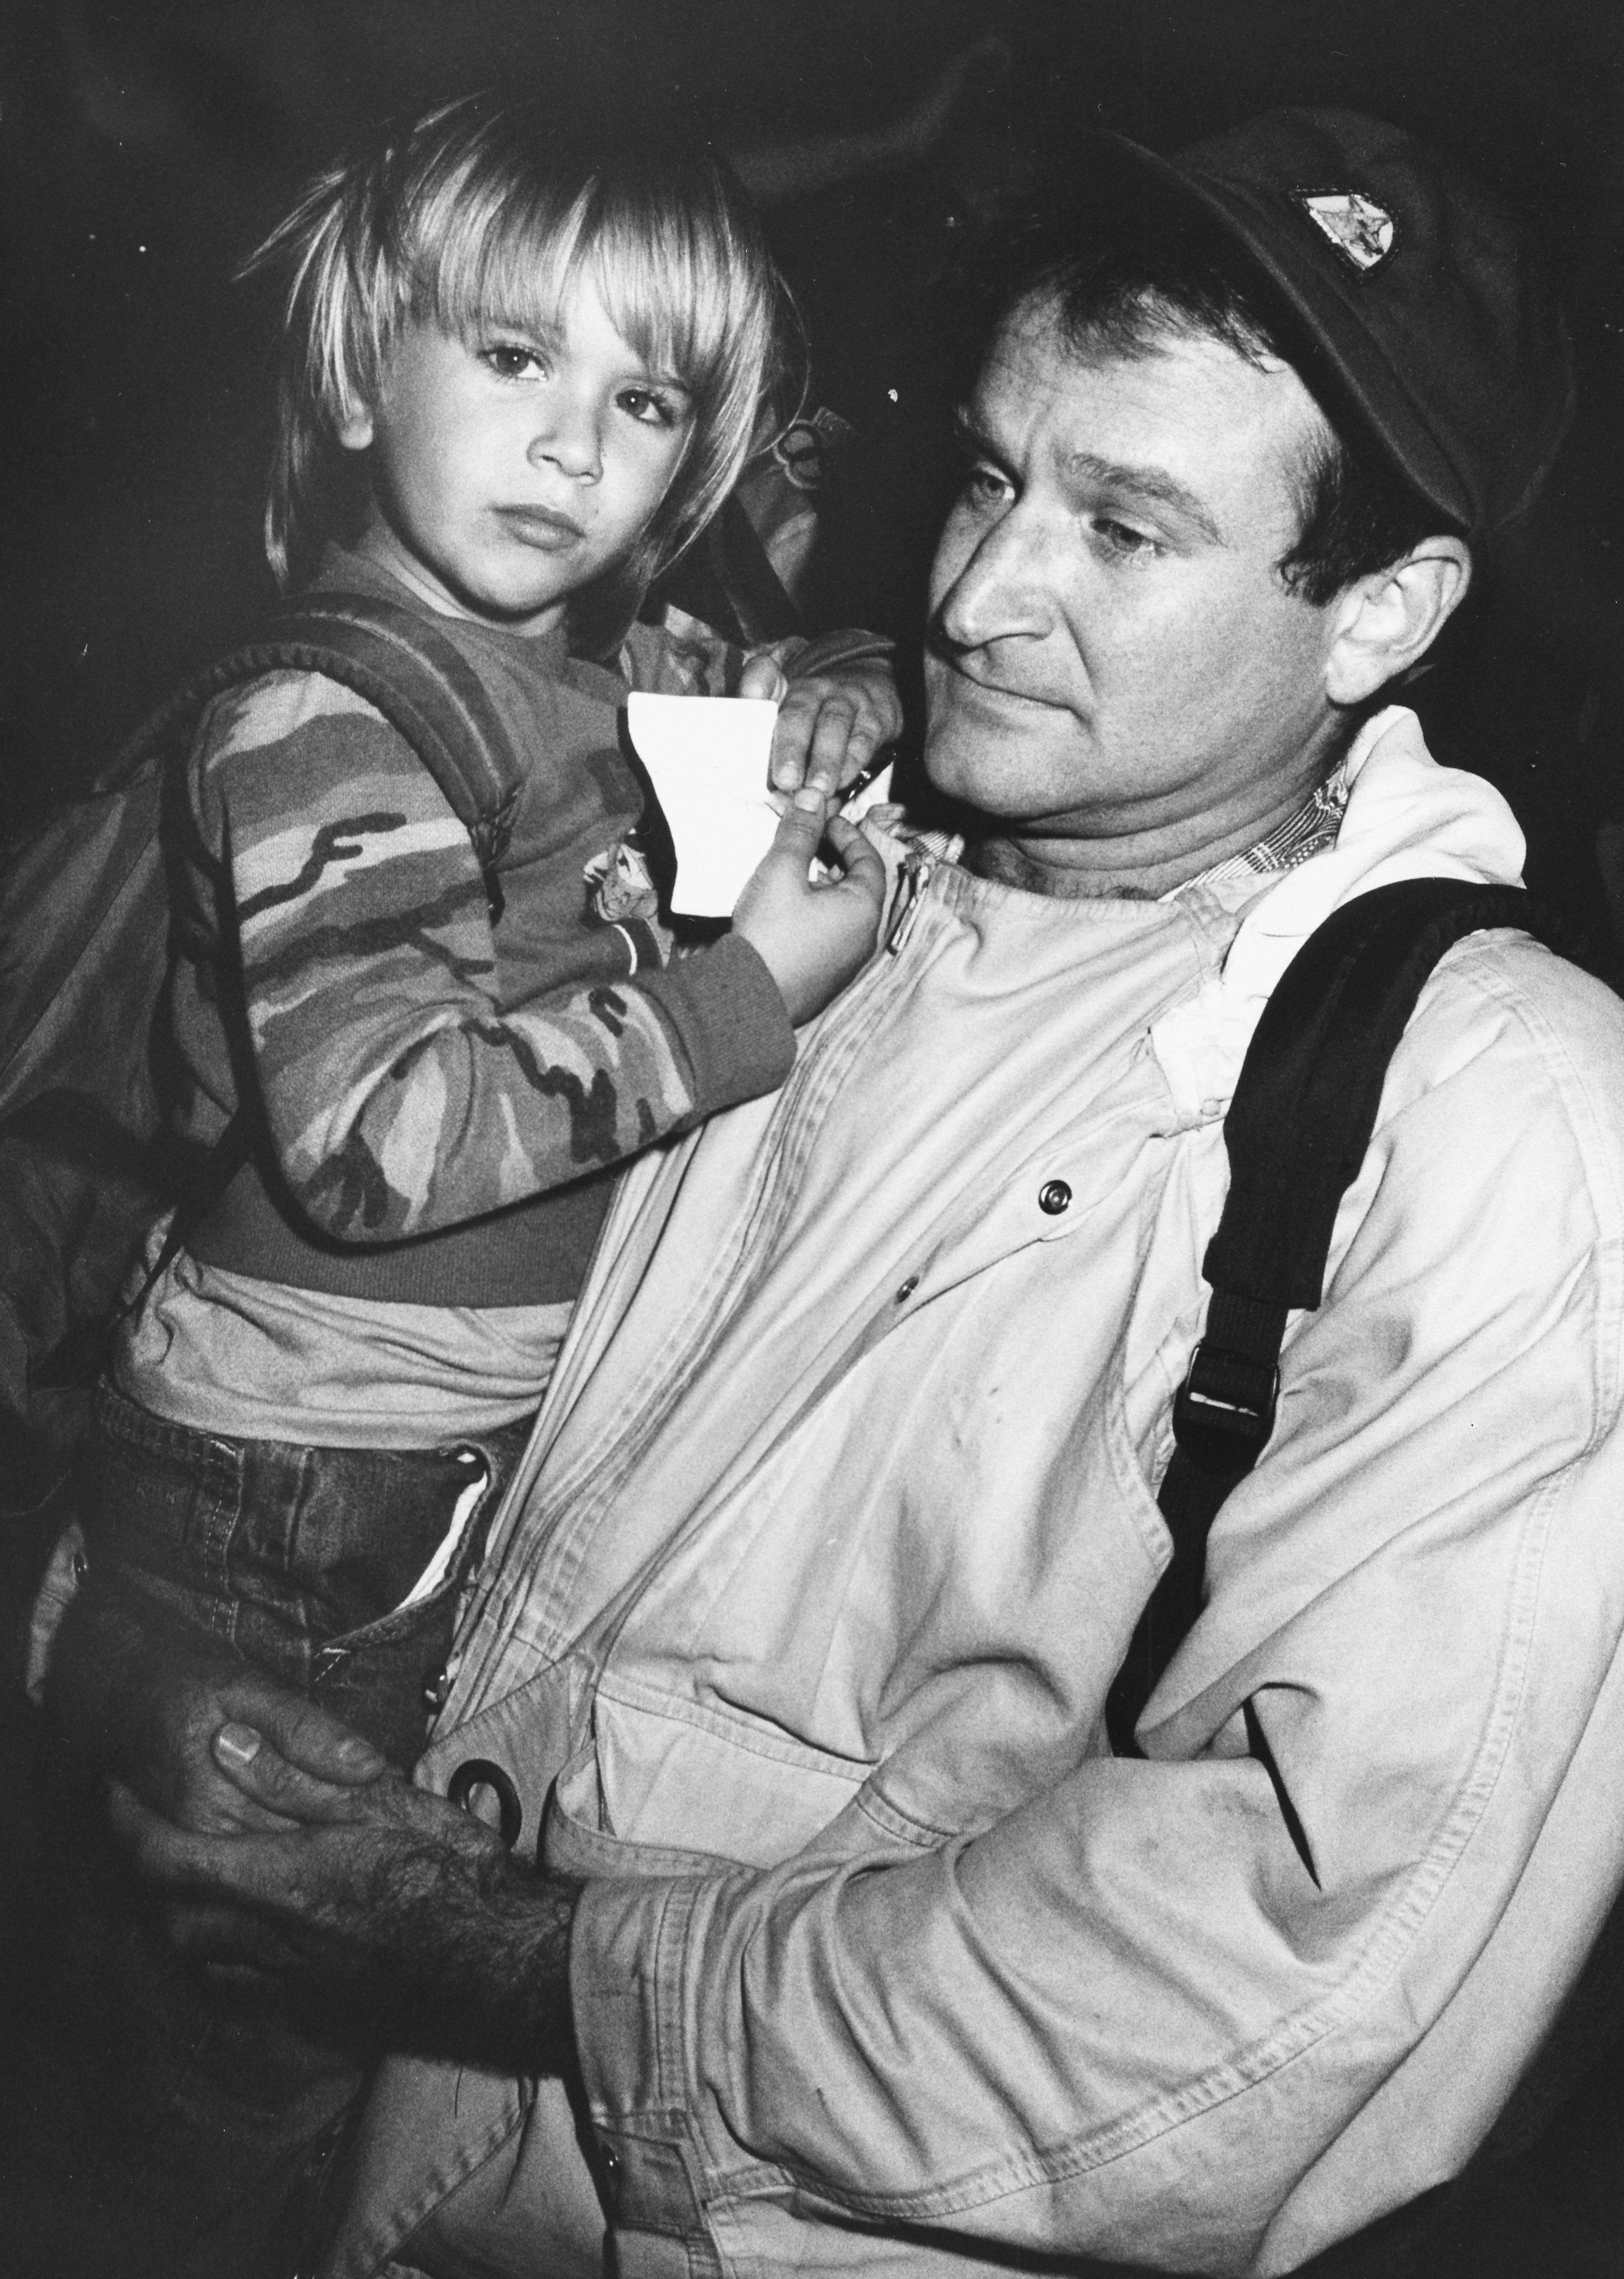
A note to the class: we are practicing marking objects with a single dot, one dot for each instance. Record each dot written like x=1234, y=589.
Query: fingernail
x=240, y=1743
x=809, y=798
x=357, y=1752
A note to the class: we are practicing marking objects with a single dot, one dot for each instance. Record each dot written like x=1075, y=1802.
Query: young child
x=516, y=386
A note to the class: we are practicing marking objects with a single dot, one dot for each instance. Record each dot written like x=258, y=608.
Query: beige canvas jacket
x=838, y=1520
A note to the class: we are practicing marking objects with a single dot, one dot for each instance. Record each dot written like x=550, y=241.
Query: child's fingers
x=860, y=862
x=801, y=826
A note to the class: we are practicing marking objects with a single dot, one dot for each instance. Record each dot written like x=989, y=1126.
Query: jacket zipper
x=915, y=879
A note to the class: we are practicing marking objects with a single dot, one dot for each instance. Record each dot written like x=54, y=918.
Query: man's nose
x=567, y=437
x=997, y=584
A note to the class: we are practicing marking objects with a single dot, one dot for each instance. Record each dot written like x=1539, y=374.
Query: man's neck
x=1133, y=866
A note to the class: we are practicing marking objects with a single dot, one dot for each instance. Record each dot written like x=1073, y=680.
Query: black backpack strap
x=1296, y=1132
x=402, y=663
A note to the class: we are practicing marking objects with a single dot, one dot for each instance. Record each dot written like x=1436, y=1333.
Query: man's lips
x=962, y=687
x=540, y=525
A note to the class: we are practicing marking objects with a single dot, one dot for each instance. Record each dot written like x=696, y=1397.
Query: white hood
x=1407, y=818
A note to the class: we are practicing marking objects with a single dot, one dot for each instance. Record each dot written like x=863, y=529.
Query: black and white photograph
x=812, y=1139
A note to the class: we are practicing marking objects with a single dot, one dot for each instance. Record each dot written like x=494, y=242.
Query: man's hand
x=830, y=725
x=400, y=1916
x=148, y=1708
x=812, y=938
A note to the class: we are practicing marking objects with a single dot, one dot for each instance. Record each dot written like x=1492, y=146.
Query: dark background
x=144, y=149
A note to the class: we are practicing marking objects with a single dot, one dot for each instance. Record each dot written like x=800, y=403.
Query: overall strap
x=400, y=662
x=1296, y=1132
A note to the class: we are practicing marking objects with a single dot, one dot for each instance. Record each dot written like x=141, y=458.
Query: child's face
x=509, y=473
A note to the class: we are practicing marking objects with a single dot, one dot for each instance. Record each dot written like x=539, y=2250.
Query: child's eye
x=651, y=406
x=513, y=360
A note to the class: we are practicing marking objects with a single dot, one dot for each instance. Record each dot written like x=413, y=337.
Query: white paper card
x=707, y=759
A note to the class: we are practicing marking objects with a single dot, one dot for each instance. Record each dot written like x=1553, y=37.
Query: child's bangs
x=492, y=252
x=488, y=252
x=672, y=291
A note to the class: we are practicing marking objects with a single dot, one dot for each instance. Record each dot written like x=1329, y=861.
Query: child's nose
x=569, y=437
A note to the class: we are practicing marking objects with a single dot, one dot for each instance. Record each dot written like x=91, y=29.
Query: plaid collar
x=1309, y=831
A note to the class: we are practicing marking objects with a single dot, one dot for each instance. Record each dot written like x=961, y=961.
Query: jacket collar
x=1406, y=817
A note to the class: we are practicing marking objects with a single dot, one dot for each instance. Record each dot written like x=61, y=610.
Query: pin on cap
x=1418, y=287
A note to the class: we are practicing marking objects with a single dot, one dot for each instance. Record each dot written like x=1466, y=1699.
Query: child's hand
x=830, y=725
x=812, y=938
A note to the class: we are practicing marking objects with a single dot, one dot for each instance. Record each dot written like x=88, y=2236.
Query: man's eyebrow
x=1149, y=483
x=971, y=435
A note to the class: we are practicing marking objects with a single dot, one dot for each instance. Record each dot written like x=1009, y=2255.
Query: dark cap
x=1420, y=291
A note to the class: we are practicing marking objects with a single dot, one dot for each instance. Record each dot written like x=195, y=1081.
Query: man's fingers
x=797, y=717
x=221, y=1867
x=761, y=676
x=295, y=1795
x=814, y=725
x=839, y=746
x=305, y=1735
x=828, y=731
x=238, y=1951
x=263, y=1773
x=162, y=1852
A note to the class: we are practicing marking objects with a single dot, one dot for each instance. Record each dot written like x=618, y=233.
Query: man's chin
x=947, y=764
x=978, y=765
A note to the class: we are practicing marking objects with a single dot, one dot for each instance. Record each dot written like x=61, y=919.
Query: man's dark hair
x=1120, y=288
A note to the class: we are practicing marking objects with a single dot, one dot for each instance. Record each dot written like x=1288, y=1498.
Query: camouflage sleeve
x=369, y=976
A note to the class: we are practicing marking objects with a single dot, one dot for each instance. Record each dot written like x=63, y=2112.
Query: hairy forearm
x=402, y=1919
x=466, y=1955
x=277, y=1835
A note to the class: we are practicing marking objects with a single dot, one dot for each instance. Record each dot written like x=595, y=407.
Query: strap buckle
x=1224, y=1411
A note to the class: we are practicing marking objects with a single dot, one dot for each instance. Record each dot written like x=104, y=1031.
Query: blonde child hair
x=480, y=213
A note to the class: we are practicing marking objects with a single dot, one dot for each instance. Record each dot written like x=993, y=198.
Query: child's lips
x=540, y=525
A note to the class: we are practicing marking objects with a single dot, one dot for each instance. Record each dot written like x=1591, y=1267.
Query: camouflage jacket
x=416, y=1068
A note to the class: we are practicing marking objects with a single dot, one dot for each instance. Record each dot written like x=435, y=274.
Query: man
x=854, y=1947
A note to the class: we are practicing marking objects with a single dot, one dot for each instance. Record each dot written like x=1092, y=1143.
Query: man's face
x=1113, y=651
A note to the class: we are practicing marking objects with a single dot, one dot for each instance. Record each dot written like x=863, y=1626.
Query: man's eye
x=513, y=360
x=985, y=487
x=1122, y=539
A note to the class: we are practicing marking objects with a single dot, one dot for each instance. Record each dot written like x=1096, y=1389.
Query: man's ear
x=354, y=431
x=1387, y=622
